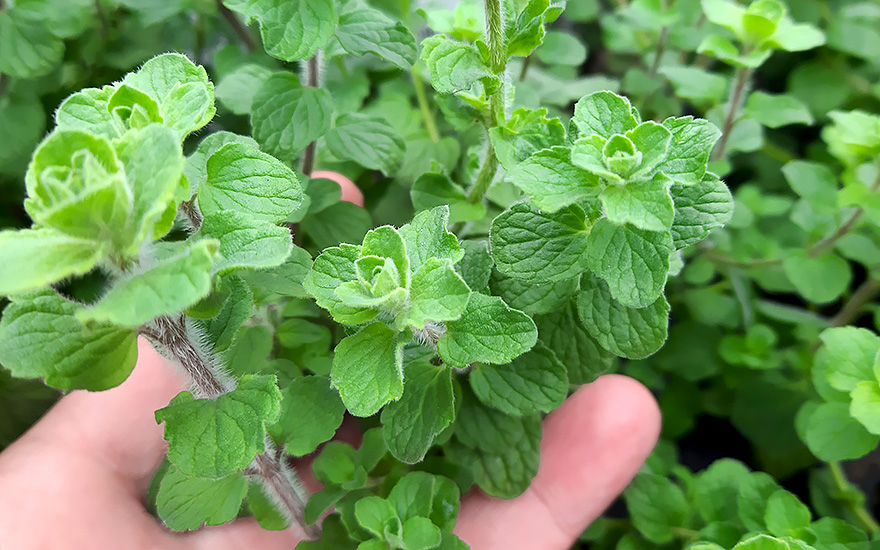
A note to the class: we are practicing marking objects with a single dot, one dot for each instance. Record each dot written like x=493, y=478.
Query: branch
x=240, y=30
x=851, y=310
x=170, y=336
x=311, y=74
x=742, y=79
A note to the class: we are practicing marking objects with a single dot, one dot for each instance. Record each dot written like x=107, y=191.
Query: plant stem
x=851, y=310
x=4, y=81
x=741, y=83
x=311, y=74
x=495, y=35
x=240, y=30
x=102, y=17
x=424, y=107
x=661, y=48
x=171, y=336
x=485, y=177
x=527, y=62
x=859, y=511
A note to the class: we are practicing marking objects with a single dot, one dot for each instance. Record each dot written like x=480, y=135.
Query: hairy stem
x=743, y=75
x=240, y=30
x=171, y=337
x=495, y=35
x=859, y=511
x=311, y=78
x=424, y=107
x=485, y=177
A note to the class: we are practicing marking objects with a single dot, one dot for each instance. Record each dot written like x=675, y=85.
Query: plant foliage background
x=682, y=191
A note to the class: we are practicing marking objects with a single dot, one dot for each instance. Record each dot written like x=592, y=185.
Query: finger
x=350, y=191
x=117, y=426
x=592, y=447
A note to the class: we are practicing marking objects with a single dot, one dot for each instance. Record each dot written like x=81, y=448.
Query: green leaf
x=342, y=222
x=294, y=29
x=423, y=495
x=425, y=409
x=368, y=369
x=236, y=90
x=246, y=242
x=176, y=282
x=453, y=66
x=185, y=503
x=832, y=434
x=865, y=406
x=27, y=47
x=363, y=29
x=562, y=48
x=374, y=514
x=217, y=437
x=644, y=204
x=487, y=332
x=242, y=178
x=236, y=309
x=819, y=279
x=562, y=332
x=699, y=209
x=537, y=246
x=632, y=261
x=851, y=355
x=367, y=140
x=533, y=298
x=624, y=331
x=311, y=412
x=796, y=37
x=420, y=534
x=264, y=510
x=715, y=490
x=475, y=266
x=426, y=237
x=196, y=167
x=501, y=451
x=752, y=500
x=287, y=116
x=331, y=269
x=692, y=142
x=43, y=256
x=533, y=382
x=775, y=111
x=786, y=515
x=41, y=338
x=285, y=280
x=437, y=293
x=656, y=505
x=604, y=114
x=762, y=542
x=86, y=111
x=525, y=32
x=553, y=181
x=814, y=182
x=696, y=84
x=432, y=190
x=526, y=132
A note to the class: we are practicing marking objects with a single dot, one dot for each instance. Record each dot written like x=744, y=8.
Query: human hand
x=79, y=477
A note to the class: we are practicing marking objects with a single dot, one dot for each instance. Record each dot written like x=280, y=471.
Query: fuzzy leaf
x=553, y=181
x=216, y=437
x=331, y=269
x=185, y=503
x=564, y=333
x=699, y=209
x=291, y=29
x=40, y=257
x=487, y=332
x=426, y=237
x=367, y=140
x=604, y=114
x=424, y=410
x=246, y=242
x=644, y=204
x=364, y=29
x=176, y=282
x=537, y=246
x=533, y=298
x=533, y=382
x=692, y=142
x=40, y=337
x=437, y=293
x=368, y=369
x=311, y=412
x=453, y=66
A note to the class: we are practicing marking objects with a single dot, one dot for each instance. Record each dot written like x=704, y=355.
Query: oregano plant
x=430, y=225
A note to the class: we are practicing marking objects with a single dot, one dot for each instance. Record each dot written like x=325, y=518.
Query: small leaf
x=40, y=337
x=437, y=293
x=487, y=332
x=699, y=209
x=564, y=333
x=331, y=269
x=40, y=257
x=287, y=116
x=475, y=267
x=657, y=506
x=624, y=331
x=424, y=495
x=311, y=412
x=453, y=66
x=176, y=282
x=364, y=29
x=692, y=142
x=604, y=114
x=368, y=369
x=185, y=503
x=236, y=309
x=27, y=47
x=865, y=406
x=420, y=534
x=786, y=515
x=367, y=140
x=240, y=177
x=291, y=29
x=832, y=434
x=426, y=237
x=236, y=90
x=553, y=181
x=819, y=279
x=632, y=261
x=851, y=354
x=533, y=382
x=775, y=111
x=86, y=111
x=246, y=242
x=217, y=437
x=536, y=246
x=342, y=222
x=196, y=167
x=646, y=204
x=425, y=409
x=374, y=513
x=432, y=190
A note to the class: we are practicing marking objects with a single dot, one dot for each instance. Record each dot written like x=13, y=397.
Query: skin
x=79, y=477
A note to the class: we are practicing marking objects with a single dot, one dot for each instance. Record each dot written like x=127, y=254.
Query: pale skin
x=79, y=477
